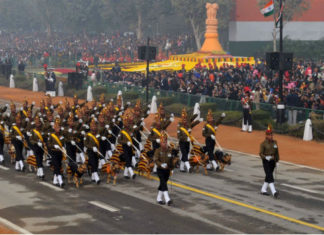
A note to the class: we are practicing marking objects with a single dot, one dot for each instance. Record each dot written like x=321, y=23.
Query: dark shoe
x=182, y=171
x=276, y=195
x=134, y=176
x=126, y=177
x=23, y=169
x=161, y=202
x=61, y=185
x=217, y=168
x=190, y=170
x=170, y=203
x=98, y=182
x=265, y=193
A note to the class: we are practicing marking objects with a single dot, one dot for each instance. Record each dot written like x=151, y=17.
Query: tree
x=194, y=12
x=292, y=8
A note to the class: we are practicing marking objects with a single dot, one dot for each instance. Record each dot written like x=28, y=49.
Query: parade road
x=221, y=202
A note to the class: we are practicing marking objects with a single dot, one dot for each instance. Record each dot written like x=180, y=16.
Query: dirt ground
x=291, y=149
x=4, y=230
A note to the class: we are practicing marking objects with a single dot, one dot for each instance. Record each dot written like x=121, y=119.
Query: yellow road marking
x=241, y=204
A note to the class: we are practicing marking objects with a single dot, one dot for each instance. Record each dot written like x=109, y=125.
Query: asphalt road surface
x=221, y=202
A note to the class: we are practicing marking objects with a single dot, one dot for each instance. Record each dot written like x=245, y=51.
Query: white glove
x=188, y=139
x=95, y=149
x=129, y=143
x=72, y=142
x=112, y=147
x=113, y=120
x=7, y=105
x=142, y=124
x=21, y=109
x=80, y=121
x=33, y=103
x=268, y=158
x=141, y=147
x=223, y=115
x=107, y=126
x=28, y=133
x=18, y=137
x=119, y=119
x=171, y=119
x=97, y=136
x=39, y=144
x=27, y=119
x=62, y=128
x=135, y=126
x=212, y=136
x=92, y=115
x=103, y=138
x=164, y=165
x=189, y=130
x=201, y=119
x=158, y=141
x=128, y=103
x=149, y=106
x=148, y=112
x=82, y=133
x=172, y=114
x=56, y=146
x=142, y=119
x=8, y=114
x=109, y=131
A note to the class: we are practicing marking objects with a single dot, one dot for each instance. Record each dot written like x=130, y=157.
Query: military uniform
x=18, y=140
x=209, y=132
x=37, y=144
x=269, y=154
x=247, y=116
x=184, y=137
x=2, y=132
x=164, y=161
x=55, y=144
x=91, y=143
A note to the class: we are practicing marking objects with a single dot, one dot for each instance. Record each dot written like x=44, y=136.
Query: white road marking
x=51, y=186
x=229, y=170
x=4, y=168
x=104, y=206
x=300, y=188
x=13, y=226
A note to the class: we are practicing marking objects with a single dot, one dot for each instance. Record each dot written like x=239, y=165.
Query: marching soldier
x=37, y=144
x=2, y=132
x=164, y=161
x=92, y=145
x=71, y=139
x=103, y=132
x=209, y=132
x=126, y=141
x=246, y=102
x=269, y=154
x=165, y=119
x=139, y=116
x=18, y=140
x=55, y=147
x=183, y=132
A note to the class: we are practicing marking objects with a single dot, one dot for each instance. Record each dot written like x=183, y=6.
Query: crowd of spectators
x=302, y=87
x=94, y=48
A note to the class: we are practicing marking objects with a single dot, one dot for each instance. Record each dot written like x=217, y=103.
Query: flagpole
x=281, y=51
x=274, y=30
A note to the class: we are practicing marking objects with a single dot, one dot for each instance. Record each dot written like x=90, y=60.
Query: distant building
x=249, y=30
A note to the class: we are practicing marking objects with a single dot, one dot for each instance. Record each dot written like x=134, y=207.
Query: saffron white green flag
x=268, y=9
